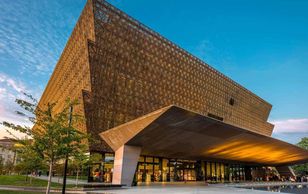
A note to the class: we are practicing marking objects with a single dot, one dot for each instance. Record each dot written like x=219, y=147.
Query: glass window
x=156, y=160
x=157, y=173
x=208, y=169
x=203, y=169
x=96, y=157
x=213, y=169
x=222, y=170
x=149, y=172
x=140, y=174
x=218, y=169
x=109, y=157
x=149, y=159
x=165, y=168
x=141, y=159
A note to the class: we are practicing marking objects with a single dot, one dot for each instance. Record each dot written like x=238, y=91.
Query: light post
x=66, y=155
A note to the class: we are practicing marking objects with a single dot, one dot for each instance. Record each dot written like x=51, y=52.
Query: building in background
x=7, y=152
x=160, y=113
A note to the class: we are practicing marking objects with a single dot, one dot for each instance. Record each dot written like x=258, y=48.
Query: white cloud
x=291, y=126
x=10, y=89
x=13, y=119
x=16, y=85
x=33, y=41
x=30, y=45
x=2, y=92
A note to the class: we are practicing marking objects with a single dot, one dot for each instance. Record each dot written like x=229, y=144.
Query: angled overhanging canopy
x=174, y=132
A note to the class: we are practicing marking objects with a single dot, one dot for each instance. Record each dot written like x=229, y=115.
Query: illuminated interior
x=250, y=150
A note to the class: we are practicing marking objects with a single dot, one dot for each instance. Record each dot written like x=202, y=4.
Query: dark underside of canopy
x=174, y=132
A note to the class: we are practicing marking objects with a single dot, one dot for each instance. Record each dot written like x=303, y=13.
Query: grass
x=18, y=192
x=80, y=177
x=19, y=180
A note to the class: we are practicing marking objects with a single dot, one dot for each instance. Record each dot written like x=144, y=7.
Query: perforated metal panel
x=125, y=70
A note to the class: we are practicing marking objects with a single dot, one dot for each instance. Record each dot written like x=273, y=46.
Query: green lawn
x=19, y=180
x=80, y=177
x=17, y=192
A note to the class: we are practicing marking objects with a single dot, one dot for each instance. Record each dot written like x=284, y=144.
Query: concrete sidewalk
x=37, y=189
x=264, y=184
x=59, y=180
x=181, y=189
x=187, y=188
x=174, y=189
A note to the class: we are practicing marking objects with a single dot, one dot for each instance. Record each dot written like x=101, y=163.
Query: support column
x=125, y=164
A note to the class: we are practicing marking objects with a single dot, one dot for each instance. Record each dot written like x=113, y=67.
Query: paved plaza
x=57, y=179
x=182, y=189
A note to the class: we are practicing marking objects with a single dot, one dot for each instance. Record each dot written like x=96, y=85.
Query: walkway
x=182, y=189
x=38, y=189
x=55, y=179
x=263, y=184
x=185, y=188
x=167, y=189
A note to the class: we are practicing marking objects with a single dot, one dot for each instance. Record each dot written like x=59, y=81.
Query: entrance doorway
x=148, y=169
x=186, y=175
x=152, y=169
x=185, y=170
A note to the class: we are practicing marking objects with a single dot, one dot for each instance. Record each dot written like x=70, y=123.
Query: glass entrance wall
x=156, y=169
x=165, y=170
x=237, y=173
x=108, y=167
x=149, y=169
x=185, y=169
x=216, y=172
x=101, y=168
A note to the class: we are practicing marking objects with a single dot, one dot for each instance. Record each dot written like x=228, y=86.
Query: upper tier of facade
x=120, y=70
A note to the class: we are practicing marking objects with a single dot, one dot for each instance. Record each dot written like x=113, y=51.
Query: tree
x=1, y=165
x=53, y=138
x=9, y=166
x=30, y=160
x=303, y=143
x=79, y=162
x=302, y=169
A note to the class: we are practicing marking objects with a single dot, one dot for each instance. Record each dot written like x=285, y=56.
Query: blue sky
x=261, y=44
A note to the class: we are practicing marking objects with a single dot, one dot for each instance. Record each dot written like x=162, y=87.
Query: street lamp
x=66, y=154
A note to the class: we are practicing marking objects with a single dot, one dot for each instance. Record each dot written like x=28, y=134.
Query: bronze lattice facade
x=120, y=70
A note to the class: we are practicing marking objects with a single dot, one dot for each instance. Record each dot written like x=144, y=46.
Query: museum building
x=158, y=113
